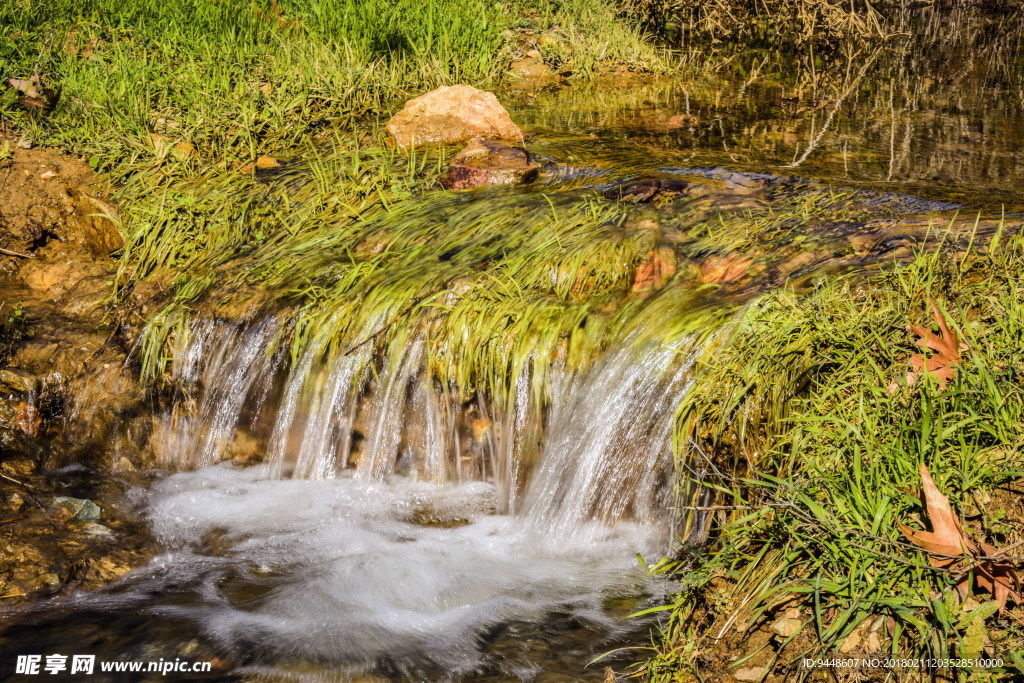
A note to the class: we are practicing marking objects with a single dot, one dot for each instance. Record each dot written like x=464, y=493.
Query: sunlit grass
x=815, y=461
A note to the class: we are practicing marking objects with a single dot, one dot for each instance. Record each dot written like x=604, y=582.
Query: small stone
x=752, y=673
x=98, y=531
x=486, y=162
x=792, y=613
x=786, y=627
x=532, y=68
x=82, y=510
x=851, y=642
x=46, y=175
x=451, y=114
x=15, y=502
x=25, y=143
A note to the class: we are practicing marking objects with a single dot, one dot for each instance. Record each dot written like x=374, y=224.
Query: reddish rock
x=451, y=114
x=722, y=269
x=486, y=162
x=655, y=270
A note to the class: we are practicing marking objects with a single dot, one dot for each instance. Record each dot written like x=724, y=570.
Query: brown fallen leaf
x=29, y=87
x=262, y=163
x=951, y=549
x=946, y=346
x=946, y=352
x=37, y=98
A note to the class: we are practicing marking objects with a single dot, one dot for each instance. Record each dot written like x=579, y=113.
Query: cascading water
x=388, y=532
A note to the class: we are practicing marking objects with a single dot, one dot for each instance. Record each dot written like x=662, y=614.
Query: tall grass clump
x=804, y=427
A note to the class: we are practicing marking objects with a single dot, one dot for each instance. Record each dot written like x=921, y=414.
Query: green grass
x=239, y=77
x=818, y=462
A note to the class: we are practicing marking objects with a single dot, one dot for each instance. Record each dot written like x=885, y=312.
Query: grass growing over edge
x=815, y=462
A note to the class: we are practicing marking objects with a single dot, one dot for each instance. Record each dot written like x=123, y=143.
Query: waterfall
x=229, y=366
x=607, y=451
x=602, y=450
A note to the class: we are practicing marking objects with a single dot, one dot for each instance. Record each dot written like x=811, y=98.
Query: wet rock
x=98, y=531
x=533, y=70
x=655, y=270
x=726, y=268
x=451, y=114
x=82, y=510
x=15, y=381
x=486, y=162
x=643, y=191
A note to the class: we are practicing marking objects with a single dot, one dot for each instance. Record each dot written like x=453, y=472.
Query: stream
x=389, y=530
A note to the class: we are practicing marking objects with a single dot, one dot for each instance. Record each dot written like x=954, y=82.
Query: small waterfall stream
x=391, y=528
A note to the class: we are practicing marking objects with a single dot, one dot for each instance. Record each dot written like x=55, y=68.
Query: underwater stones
x=655, y=270
x=81, y=510
x=643, y=191
x=486, y=162
x=451, y=114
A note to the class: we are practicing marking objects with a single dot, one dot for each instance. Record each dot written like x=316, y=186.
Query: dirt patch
x=67, y=397
x=64, y=376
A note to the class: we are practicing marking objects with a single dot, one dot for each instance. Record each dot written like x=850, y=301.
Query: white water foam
x=339, y=573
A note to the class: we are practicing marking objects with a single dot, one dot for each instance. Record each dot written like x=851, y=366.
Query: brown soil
x=66, y=393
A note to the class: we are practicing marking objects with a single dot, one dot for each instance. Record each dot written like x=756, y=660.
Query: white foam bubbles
x=357, y=571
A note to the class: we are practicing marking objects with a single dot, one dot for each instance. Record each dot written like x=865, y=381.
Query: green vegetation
x=816, y=458
x=234, y=79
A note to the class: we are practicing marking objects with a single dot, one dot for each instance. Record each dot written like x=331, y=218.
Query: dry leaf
x=262, y=163
x=950, y=548
x=942, y=364
x=30, y=87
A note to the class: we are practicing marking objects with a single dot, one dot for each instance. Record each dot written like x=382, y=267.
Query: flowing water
x=394, y=530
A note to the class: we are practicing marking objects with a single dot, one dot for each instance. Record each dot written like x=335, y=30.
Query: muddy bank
x=67, y=397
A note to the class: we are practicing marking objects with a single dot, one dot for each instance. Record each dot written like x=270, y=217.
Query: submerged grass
x=814, y=462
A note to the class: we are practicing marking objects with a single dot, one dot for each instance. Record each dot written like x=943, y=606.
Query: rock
x=451, y=114
x=786, y=627
x=644, y=191
x=655, y=270
x=16, y=382
x=851, y=642
x=486, y=162
x=752, y=673
x=532, y=68
x=723, y=269
x=98, y=531
x=82, y=510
